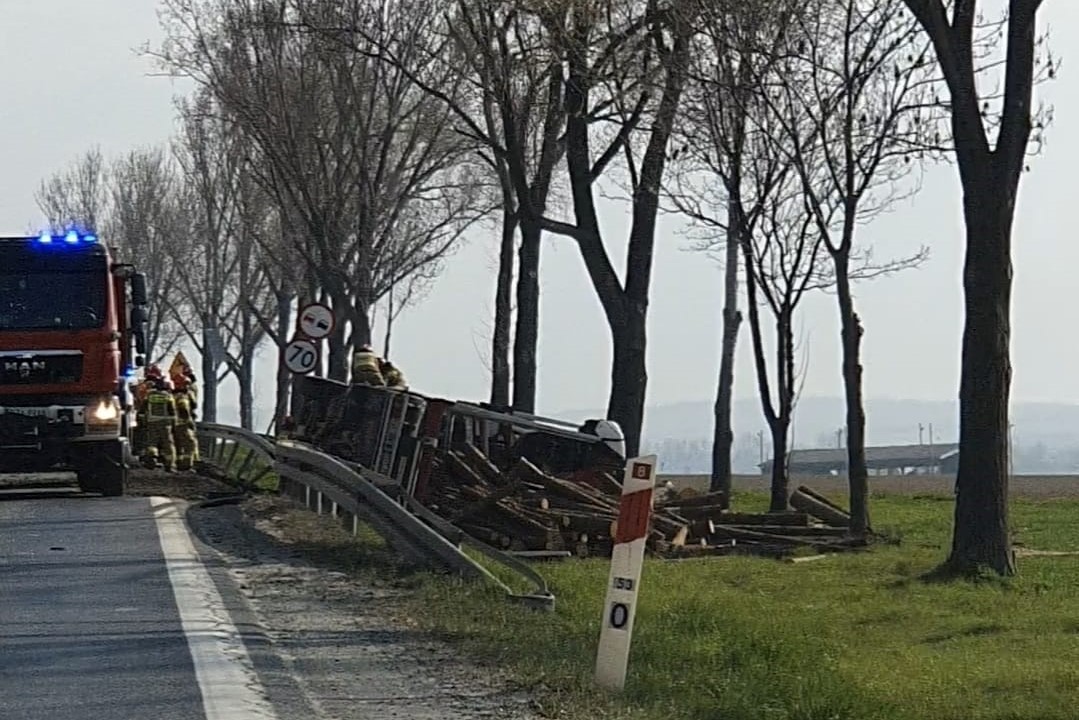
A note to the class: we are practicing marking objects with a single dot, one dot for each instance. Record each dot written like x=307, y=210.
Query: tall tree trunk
x=629, y=377
x=851, y=337
x=337, y=366
x=208, y=401
x=723, y=435
x=245, y=379
x=526, y=333
x=500, y=343
x=388, y=335
x=780, y=422
x=760, y=363
x=284, y=377
x=780, y=479
x=981, y=536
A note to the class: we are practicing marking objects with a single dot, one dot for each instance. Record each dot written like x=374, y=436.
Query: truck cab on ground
x=72, y=331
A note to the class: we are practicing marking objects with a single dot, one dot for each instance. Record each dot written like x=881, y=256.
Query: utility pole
x=760, y=442
x=932, y=459
x=921, y=428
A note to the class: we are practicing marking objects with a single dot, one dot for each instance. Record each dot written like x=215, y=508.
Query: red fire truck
x=72, y=331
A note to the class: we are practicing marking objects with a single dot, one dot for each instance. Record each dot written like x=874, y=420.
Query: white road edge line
x=226, y=677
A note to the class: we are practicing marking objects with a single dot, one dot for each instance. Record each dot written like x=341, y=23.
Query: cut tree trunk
x=500, y=342
x=723, y=436
x=851, y=336
x=526, y=335
x=980, y=537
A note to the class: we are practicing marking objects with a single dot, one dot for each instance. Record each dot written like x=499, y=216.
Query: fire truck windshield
x=52, y=300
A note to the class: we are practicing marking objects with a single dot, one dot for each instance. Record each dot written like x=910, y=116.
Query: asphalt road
x=95, y=622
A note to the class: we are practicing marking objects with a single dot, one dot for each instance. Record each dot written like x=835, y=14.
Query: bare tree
x=520, y=81
x=210, y=166
x=626, y=68
x=226, y=283
x=991, y=149
x=368, y=166
x=254, y=289
x=76, y=196
x=782, y=256
x=283, y=272
x=854, y=91
x=143, y=222
x=723, y=179
x=509, y=103
x=131, y=203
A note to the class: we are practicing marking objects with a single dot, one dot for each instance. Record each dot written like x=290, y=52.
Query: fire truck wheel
x=106, y=474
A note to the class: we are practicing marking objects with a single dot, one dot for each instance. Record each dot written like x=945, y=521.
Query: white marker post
x=627, y=558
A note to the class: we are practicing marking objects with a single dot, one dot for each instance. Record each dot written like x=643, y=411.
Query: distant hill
x=1046, y=435
x=888, y=421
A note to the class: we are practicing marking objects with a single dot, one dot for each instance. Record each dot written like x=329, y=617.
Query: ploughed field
x=1022, y=486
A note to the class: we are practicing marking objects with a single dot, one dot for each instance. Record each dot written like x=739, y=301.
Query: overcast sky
x=72, y=80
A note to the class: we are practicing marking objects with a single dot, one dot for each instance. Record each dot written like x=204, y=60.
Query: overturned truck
x=526, y=483
x=400, y=435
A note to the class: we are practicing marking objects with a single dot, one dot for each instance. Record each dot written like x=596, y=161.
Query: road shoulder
x=334, y=643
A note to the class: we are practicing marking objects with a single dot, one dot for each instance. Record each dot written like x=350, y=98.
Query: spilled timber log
x=822, y=511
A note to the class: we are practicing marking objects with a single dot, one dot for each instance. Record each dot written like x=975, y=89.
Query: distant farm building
x=886, y=460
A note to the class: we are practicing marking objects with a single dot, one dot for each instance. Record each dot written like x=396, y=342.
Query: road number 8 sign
x=301, y=356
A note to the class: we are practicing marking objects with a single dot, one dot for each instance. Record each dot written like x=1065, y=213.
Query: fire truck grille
x=40, y=369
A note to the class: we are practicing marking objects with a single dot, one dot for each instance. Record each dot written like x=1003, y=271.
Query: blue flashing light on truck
x=72, y=331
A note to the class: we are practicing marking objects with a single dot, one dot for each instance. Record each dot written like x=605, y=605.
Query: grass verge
x=858, y=636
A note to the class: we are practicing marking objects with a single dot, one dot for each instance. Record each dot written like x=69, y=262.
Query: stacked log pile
x=521, y=508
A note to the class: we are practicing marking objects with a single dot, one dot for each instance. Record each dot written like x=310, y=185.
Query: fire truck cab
x=72, y=332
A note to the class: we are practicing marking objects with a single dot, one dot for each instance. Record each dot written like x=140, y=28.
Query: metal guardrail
x=327, y=484
x=222, y=445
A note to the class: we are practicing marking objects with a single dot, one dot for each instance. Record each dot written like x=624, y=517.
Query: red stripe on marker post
x=634, y=514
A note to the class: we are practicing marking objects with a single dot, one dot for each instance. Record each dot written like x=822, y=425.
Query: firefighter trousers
x=187, y=446
x=161, y=448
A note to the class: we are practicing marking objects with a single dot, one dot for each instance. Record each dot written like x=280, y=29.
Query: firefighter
x=142, y=391
x=366, y=367
x=393, y=377
x=183, y=432
x=160, y=421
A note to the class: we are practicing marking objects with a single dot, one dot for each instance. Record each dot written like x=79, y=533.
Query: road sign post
x=627, y=558
x=300, y=356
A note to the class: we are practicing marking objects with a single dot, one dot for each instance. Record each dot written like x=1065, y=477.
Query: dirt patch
x=185, y=486
x=337, y=617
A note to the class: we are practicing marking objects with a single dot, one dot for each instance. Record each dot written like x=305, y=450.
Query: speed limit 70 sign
x=300, y=356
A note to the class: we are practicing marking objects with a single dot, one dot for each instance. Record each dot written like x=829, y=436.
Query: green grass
x=855, y=636
x=232, y=464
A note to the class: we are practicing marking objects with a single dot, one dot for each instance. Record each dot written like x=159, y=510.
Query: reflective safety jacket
x=160, y=408
x=184, y=406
